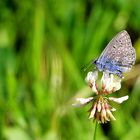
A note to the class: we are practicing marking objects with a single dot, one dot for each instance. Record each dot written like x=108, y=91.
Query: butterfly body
x=111, y=68
x=118, y=56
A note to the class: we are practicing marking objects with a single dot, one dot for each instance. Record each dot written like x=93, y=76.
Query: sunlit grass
x=43, y=45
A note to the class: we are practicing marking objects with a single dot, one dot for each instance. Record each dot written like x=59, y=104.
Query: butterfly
x=118, y=56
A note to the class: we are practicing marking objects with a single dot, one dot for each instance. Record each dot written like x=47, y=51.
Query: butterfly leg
x=119, y=74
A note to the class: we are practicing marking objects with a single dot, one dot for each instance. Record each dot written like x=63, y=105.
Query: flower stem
x=94, y=136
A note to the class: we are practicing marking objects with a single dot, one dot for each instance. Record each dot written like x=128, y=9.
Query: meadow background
x=43, y=45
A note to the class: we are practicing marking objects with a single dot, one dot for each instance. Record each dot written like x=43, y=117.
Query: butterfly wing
x=119, y=52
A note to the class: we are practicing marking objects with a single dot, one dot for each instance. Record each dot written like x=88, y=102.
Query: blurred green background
x=43, y=45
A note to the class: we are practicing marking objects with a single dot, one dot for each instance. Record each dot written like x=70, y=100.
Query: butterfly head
x=95, y=61
x=97, y=64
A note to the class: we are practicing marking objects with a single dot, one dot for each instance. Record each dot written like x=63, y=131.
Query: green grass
x=43, y=45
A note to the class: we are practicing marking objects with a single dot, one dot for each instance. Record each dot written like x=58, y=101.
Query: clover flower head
x=109, y=82
x=101, y=110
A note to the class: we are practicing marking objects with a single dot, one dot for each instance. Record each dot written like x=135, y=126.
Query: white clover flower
x=91, y=80
x=101, y=110
x=92, y=112
x=119, y=100
x=82, y=101
x=110, y=83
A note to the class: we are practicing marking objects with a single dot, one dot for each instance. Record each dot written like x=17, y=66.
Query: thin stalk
x=94, y=134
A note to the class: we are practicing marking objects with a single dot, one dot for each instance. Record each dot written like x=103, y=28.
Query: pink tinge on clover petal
x=110, y=83
x=116, y=83
x=105, y=81
x=91, y=80
x=92, y=112
x=82, y=101
x=101, y=110
x=91, y=76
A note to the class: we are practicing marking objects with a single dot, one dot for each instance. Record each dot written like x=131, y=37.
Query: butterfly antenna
x=86, y=66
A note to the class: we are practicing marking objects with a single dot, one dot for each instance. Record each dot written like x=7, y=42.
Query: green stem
x=94, y=136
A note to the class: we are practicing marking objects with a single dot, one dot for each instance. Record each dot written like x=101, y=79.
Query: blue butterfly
x=118, y=56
